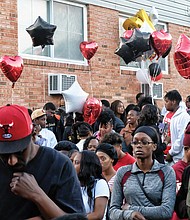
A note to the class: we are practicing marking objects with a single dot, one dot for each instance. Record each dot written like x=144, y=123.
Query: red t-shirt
x=166, y=121
x=126, y=160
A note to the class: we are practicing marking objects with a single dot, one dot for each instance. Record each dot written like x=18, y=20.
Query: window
x=71, y=22
x=134, y=65
x=157, y=90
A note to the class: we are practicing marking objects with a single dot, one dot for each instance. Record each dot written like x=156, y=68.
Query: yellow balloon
x=144, y=17
x=132, y=23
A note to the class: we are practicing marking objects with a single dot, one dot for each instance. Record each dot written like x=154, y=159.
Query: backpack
x=127, y=175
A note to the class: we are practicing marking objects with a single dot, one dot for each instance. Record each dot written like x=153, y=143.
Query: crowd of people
x=132, y=163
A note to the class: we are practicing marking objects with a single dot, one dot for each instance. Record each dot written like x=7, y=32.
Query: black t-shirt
x=54, y=173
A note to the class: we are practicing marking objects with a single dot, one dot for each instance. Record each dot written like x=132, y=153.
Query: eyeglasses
x=186, y=148
x=142, y=143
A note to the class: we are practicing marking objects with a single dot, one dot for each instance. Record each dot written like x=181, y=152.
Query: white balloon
x=153, y=15
x=75, y=97
x=145, y=27
x=143, y=76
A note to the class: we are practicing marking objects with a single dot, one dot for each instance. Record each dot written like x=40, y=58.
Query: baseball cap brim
x=8, y=147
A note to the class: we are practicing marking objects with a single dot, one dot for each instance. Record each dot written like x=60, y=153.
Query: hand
x=169, y=158
x=25, y=185
x=137, y=216
x=125, y=206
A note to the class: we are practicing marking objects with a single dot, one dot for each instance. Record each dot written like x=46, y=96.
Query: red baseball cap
x=15, y=128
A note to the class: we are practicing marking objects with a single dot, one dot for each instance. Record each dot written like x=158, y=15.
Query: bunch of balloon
x=88, y=50
x=136, y=39
x=182, y=56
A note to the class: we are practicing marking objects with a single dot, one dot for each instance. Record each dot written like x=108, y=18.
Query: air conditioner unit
x=57, y=83
x=157, y=90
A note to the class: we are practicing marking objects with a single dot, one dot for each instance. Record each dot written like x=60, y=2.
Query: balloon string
x=12, y=94
x=90, y=75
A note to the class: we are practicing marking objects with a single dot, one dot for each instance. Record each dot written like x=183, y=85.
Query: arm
x=177, y=145
x=25, y=185
x=101, y=200
x=99, y=209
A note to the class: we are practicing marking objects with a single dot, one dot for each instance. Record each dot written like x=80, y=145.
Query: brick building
x=100, y=21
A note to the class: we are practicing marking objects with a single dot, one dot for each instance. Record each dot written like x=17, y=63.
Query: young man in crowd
x=178, y=124
x=34, y=180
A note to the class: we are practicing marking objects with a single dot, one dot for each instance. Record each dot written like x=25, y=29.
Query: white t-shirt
x=51, y=140
x=101, y=190
x=80, y=144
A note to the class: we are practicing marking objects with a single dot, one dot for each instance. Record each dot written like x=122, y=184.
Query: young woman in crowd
x=118, y=108
x=147, y=186
x=132, y=123
x=95, y=190
x=108, y=158
x=116, y=140
x=91, y=143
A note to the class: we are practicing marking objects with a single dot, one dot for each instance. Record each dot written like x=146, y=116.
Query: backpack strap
x=161, y=175
x=126, y=176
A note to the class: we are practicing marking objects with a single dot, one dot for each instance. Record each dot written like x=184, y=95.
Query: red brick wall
x=108, y=82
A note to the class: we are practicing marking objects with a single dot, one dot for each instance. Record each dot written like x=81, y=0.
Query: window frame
x=51, y=57
x=130, y=68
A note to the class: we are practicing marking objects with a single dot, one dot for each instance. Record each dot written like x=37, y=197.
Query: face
x=105, y=160
x=143, y=146
x=120, y=108
x=169, y=104
x=105, y=129
x=132, y=117
x=93, y=145
x=73, y=156
x=76, y=162
x=17, y=161
x=41, y=121
x=187, y=153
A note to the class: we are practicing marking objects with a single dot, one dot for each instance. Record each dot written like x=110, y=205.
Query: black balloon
x=41, y=32
x=154, y=69
x=130, y=49
x=124, y=51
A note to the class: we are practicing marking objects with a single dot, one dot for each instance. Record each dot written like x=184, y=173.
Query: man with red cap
x=34, y=181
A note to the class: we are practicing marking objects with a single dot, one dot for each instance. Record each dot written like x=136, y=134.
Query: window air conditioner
x=57, y=83
x=157, y=90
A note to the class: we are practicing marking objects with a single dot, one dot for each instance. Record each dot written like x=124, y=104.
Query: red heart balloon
x=88, y=49
x=161, y=41
x=12, y=67
x=91, y=110
x=182, y=56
